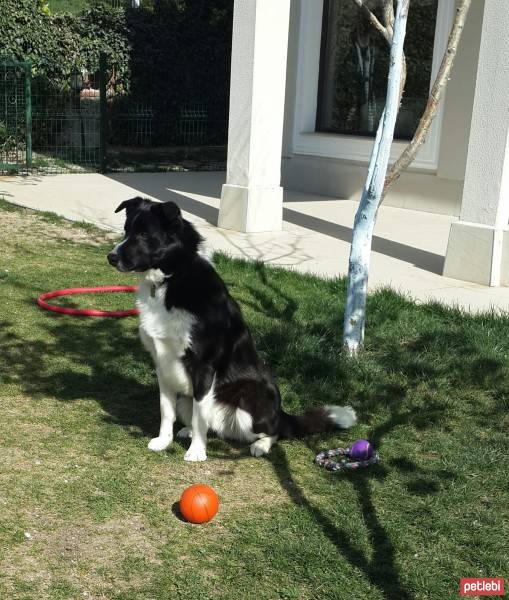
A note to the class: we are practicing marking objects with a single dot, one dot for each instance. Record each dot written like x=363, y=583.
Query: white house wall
x=437, y=190
x=459, y=99
x=478, y=242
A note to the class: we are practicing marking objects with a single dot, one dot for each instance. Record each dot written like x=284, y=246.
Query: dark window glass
x=354, y=66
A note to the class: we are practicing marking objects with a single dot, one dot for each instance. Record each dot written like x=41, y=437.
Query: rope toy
x=87, y=312
x=359, y=455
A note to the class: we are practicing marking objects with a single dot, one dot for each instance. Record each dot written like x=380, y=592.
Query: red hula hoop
x=88, y=312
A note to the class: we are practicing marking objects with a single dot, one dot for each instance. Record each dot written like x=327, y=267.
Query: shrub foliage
x=57, y=45
x=167, y=49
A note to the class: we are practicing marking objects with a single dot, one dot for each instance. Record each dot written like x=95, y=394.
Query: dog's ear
x=171, y=211
x=129, y=205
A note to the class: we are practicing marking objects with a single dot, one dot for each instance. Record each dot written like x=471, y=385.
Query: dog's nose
x=113, y=259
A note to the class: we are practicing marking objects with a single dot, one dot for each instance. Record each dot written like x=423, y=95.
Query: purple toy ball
x=361, y=450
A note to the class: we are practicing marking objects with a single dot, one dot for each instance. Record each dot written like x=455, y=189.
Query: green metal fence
x=15, y=116
x=192, y=123
x=87, y=125
x=66, y=124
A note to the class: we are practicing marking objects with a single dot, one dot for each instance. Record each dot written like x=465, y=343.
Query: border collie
x=209, y=373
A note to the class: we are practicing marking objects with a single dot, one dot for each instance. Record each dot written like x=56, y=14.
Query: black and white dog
x=209, y=373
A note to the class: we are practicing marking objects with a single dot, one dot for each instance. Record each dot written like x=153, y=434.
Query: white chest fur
x=173, y=325
x=166, y=334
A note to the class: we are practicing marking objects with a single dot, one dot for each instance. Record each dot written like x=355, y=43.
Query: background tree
x=376, y=185
x=373, y=188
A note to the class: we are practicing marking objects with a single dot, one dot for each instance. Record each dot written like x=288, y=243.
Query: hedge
x=56, y=45
x=167, y=46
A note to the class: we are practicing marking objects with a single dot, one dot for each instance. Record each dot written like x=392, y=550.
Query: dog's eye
x=143, y=234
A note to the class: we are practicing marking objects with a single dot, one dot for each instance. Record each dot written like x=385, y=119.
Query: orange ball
x=198, y=503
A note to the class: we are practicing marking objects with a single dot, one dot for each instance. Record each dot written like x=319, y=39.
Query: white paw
x=260, y=447
x=159, y=443
x=185, y=432
x=196, y=454
x=342, y=416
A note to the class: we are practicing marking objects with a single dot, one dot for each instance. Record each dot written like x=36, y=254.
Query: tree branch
x=388, y=9
x=437, y=91
x=386, y=31
x=374, y=21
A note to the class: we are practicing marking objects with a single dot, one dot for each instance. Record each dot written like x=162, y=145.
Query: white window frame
x=348, y=147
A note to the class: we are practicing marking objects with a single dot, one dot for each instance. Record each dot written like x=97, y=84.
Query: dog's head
x=156, y=237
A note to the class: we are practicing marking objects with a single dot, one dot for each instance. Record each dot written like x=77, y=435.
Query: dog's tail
x=316, y=420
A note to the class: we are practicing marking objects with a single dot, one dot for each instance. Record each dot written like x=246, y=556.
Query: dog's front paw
x=185, y=432
x=196, y=454
x=160, y=443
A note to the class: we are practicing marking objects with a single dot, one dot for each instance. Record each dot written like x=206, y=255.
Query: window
x=354, y=63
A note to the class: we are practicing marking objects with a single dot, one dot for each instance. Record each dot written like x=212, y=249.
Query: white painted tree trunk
x=358, y=268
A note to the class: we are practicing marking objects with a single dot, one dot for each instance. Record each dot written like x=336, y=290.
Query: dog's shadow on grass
x=79, y=358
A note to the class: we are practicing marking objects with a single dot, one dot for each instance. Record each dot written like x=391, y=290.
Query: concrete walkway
x=408, y=247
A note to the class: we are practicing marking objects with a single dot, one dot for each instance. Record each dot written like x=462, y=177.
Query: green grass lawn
x=79, y=404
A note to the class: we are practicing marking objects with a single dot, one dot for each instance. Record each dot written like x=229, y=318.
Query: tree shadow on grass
x=381, y=570
x=399, y=367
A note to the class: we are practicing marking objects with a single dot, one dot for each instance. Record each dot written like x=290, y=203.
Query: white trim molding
x=348, y=147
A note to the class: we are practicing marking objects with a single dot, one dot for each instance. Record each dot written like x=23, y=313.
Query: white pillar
x=252, y=198
x=478, y=248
